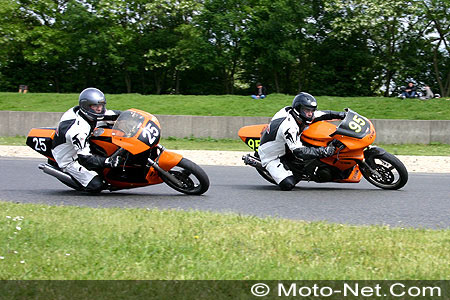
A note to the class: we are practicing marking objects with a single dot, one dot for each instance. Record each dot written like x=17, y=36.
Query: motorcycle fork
x=367, y=170
x=169, y=162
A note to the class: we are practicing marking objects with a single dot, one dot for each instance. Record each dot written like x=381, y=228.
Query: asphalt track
x=423, y=203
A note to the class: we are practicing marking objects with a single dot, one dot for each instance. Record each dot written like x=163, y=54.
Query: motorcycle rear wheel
x=194, y=180
x=393, y=173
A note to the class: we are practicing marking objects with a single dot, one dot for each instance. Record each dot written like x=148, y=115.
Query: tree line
x=325, y=47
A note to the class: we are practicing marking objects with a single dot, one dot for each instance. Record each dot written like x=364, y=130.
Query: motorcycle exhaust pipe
x=252, y=161
x=50, y=170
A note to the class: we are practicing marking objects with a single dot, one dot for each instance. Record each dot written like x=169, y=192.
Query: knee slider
x=287, y=184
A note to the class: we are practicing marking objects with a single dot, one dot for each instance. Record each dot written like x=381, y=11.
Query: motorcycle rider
x=283, y=135
x=71, y=148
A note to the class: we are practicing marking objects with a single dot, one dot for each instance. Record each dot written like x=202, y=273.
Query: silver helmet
x=89, y=97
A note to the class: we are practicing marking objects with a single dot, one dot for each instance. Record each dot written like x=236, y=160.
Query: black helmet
x=92, y=96
x=303, y=102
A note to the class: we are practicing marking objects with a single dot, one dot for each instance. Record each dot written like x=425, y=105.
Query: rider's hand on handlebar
x=338, y=144
x=342, y=115
x=328, y=150
x=113, y=161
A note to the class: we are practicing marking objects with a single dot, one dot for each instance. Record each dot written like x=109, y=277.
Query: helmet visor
x=97, y=110
x=307, y=112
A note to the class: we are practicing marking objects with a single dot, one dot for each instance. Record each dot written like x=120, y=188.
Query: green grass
x=42, y=242
x=13, y=140
x=231, y=105
x=434, y=149
x=191, y=143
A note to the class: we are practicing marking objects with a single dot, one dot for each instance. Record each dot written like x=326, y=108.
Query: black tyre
x=392, y=172
x=194, y=180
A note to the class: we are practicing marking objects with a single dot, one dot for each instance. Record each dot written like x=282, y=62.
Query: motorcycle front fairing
x=139, y=133
x=354, y=131
x=136, y=131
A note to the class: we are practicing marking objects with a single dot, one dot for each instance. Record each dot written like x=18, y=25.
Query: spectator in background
x=260, y=92
x=23, y=88
x=428, y=93
x=409, y=91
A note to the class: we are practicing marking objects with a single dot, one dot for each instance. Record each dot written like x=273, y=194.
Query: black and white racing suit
x=71, y=148
x=284, y=131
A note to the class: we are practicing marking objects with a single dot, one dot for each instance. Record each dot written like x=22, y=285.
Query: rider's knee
x=95, y=185
x=287, y=184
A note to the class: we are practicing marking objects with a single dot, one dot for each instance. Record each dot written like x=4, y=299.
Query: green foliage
x=327, y=47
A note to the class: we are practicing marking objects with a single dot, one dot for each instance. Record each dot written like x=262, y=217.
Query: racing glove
x=328, y=150
x=338, y=144
x=113, y=161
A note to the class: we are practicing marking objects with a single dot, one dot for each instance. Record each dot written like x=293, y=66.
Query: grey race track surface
x=424, y=202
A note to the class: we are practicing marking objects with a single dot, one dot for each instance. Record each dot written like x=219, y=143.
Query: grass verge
x=42, y=242
x=233, y=105
x=191, y=143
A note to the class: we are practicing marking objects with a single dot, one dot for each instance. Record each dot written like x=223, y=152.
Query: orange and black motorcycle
x=135, y=136
x=352, y=161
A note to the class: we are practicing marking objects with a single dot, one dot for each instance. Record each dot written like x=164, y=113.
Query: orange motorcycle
x=135, y=136
x=354, y=159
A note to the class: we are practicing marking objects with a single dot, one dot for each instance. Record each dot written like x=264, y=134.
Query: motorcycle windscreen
x=136, y=131
x=354, y=125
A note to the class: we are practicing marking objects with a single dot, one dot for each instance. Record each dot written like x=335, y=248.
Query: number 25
x=39, y=144
x=150, y=133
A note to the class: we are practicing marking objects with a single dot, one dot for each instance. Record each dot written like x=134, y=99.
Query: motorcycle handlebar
x=118, y=152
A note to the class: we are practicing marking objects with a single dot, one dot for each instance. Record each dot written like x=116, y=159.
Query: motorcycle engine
x=323, y=174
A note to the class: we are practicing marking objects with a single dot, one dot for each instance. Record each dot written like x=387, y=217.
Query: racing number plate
x=253, y=143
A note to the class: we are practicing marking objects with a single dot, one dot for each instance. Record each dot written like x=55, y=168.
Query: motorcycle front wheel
x=392, y=173
x=193, y=180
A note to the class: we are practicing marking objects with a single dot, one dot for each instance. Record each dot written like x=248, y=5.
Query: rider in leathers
x=71, y=148
x=283, y=134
